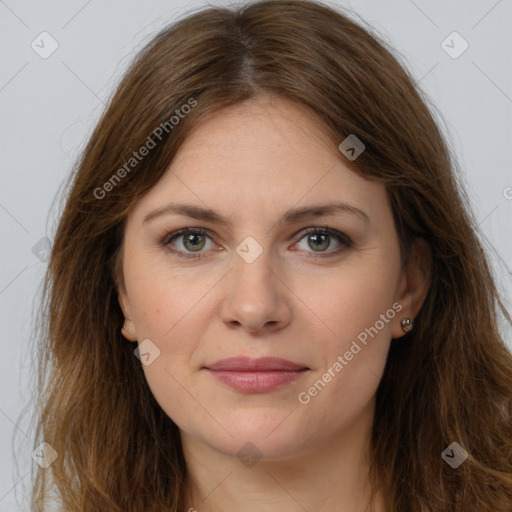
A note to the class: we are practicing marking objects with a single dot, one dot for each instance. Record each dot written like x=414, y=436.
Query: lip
x=262, y=364
x=256, y=375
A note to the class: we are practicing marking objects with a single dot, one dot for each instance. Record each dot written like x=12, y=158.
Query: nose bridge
x=254, y=296
x=253, y=270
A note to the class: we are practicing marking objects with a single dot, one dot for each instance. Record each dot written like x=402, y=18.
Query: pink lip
x=262, y=364
x=256, y=375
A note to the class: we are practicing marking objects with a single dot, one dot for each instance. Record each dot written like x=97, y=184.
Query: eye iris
x=195, y=246
x=317, y=242
x=197, y=241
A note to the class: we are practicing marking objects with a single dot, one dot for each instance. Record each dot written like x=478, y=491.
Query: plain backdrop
x=49, y=105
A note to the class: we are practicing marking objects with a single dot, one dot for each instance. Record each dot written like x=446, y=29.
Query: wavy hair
x=449, y=379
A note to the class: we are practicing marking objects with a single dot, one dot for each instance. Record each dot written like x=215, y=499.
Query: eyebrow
x=290, y=217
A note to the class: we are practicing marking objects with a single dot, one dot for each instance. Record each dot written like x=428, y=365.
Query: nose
x=255, y=297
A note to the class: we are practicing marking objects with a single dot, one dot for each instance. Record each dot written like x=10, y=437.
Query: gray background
x=48, y=107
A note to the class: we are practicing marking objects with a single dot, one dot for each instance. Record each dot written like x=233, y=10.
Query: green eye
x=194, y=240
x=319, y=239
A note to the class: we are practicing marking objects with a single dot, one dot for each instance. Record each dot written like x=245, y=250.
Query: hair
x=449, y=379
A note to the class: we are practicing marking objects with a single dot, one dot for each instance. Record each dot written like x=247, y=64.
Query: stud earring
x=406, y=324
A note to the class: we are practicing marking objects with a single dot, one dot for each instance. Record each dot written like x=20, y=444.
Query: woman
x=266, y=291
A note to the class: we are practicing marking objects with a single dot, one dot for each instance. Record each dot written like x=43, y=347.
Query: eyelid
x=165, y=242
x=342, y=238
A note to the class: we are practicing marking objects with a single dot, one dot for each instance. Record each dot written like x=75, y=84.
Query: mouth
x=256, y=375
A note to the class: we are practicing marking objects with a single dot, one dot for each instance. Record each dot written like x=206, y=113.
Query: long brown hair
x=448, y=380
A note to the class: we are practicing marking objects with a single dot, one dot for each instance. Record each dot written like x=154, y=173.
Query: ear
x=414, y=284
x=128, y=330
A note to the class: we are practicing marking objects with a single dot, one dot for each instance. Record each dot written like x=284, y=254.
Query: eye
x=194, y=240
x=321, y=238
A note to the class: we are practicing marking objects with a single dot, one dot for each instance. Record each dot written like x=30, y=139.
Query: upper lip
x=247, y=364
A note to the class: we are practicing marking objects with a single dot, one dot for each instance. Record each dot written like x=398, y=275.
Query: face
x=322, y=290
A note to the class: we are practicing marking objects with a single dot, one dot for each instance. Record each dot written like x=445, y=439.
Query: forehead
x=266, y=154
x=258, y=127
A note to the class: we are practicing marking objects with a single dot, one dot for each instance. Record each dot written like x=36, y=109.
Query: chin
x=249, y=449
x=256, y=434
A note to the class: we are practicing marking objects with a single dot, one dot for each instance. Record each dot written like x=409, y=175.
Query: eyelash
x=343, y=239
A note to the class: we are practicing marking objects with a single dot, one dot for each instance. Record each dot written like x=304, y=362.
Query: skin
x=251, y=163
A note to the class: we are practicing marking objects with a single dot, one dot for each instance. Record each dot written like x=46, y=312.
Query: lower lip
x=257, y=382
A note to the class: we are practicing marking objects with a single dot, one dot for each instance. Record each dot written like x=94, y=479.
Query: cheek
x=352, y=299
x=356, y=314
x=352, y=363
x=165, y=314
x=162, y=300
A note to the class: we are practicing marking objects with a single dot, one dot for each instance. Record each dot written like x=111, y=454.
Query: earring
x=406, y=324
